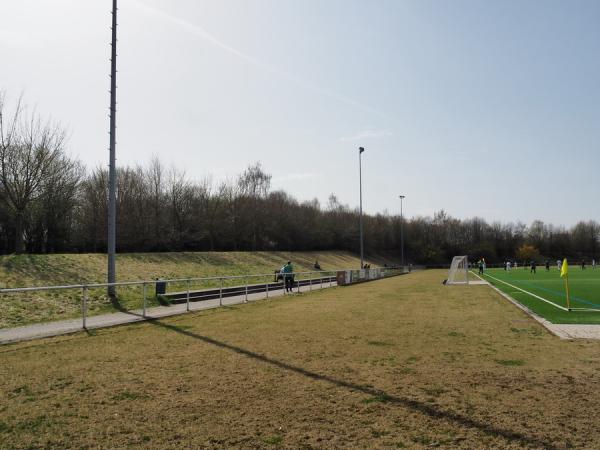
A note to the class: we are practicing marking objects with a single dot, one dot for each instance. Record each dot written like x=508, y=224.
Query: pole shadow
x=414, y=405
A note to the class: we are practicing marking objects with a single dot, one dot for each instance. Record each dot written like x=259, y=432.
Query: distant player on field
x=594, y=264
x=533, y=267
x=559, y=264
x=547, y=265
x=508, y=264
x=583, y=264
x=481, y=265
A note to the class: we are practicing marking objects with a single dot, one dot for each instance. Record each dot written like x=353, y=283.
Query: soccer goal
x=459, y=271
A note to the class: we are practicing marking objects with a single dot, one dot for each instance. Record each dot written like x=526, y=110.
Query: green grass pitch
x=584, y=288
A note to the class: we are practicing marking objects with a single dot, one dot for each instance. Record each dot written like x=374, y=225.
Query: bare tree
x=54, y=210
x=91, y=210
x=253, y=186
x=155, y=177
x=29, y=147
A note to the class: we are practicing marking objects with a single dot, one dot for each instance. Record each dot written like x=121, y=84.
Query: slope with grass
x=61, y=269
x=584, y=288
x=69, y=269
x=399, y=363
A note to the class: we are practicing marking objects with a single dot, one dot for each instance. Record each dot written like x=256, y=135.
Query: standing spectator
x=481, y=265
x=288, y=271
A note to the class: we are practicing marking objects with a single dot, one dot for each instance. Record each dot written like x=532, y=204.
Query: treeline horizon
x=51, y=203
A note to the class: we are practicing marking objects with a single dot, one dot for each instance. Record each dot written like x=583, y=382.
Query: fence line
x=177, y=280
x=346, y=276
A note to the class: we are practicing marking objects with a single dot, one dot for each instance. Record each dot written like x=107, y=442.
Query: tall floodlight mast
x=402, y=197
x=112, y=170
x=360, y=218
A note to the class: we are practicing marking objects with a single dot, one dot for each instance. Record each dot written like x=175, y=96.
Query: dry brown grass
x=401, y=362
x=63, y=269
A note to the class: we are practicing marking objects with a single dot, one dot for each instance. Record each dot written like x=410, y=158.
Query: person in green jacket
x=288, y=271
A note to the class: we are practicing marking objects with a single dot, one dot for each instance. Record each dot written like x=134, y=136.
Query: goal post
x=459, y=270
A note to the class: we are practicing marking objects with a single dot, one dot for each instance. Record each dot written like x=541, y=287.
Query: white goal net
x=459, y=271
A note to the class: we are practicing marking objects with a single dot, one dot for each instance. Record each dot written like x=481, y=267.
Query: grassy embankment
x=69, y=269
x=398, y=363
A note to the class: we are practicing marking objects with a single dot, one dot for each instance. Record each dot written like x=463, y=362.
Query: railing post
x=310, y=282
x=246, y=279
x=84, y=306
x=267, y=288
x=330, y=280
x=321, y=278
x=298, y=285
x=187, y=299
x=221, y=293
x=144, y=307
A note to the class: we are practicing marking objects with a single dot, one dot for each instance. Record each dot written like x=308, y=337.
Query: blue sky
x=481, y=108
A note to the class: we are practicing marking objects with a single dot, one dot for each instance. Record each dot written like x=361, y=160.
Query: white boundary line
x=529, y=293
x=543, y=322
x=562, y=331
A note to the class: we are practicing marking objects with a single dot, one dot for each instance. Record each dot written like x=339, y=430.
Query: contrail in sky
x=202, y=33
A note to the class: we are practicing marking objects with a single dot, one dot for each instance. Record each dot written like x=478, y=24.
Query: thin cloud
x=367, y=134
x=203, y=34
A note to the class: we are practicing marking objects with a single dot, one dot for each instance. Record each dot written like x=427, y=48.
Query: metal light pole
x=402, y=197
x=360, y=150
x=112, y=171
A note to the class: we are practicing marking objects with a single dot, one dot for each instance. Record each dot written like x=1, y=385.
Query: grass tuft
x=510, y=362
x=129, y=395
x=4, y=427
x=380, y=343
x=276, y=439
x=434, y=391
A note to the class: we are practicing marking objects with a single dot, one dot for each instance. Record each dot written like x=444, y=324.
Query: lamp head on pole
x=402, y=196
x=360, y=150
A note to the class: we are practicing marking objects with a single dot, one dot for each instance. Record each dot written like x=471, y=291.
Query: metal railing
x=205, y=288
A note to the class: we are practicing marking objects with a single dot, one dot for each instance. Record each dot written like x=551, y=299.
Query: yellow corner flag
x=564, y=273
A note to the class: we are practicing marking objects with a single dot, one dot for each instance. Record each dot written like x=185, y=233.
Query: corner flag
x=564, y=273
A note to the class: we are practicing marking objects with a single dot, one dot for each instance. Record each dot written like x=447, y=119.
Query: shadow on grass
x=376, y=395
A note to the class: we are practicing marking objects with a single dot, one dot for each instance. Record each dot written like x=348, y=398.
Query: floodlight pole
x=402, y=197
x=112, y=171
x=360, y=220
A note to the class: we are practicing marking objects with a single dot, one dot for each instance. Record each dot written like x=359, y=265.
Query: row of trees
x=49, y=202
